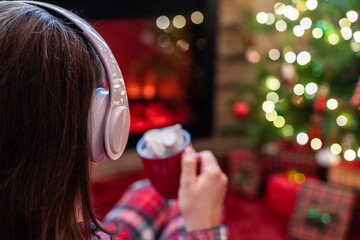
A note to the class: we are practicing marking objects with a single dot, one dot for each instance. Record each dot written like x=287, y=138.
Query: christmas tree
x=304, y=90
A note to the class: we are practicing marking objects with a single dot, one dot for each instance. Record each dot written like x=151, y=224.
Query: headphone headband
x=117, y=90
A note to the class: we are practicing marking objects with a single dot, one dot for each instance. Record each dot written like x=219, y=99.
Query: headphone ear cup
x=96, y=124
x=117, y=132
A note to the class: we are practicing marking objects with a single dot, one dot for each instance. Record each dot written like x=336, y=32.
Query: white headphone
x=109, y=123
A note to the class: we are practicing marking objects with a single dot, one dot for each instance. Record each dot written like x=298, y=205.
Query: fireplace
x=165, y=50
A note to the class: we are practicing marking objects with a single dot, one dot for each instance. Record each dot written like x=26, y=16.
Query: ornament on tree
x=355, y=99
x=240, y=109
x=288, y=74
x=321, y=98
x=325, y=158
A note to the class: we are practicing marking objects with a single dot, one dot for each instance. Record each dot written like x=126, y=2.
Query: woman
x=48, y=75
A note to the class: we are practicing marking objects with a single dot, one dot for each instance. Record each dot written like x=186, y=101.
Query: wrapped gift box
x=323, y=211
x=346, y=173
x=303, y=161
x=245, y=172
x=281, y=192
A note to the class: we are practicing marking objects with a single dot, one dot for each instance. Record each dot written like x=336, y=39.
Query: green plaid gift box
x=323, y=211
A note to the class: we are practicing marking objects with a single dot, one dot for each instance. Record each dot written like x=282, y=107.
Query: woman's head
x=47, y=77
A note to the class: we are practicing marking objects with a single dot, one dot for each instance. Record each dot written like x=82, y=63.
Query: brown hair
x=47, y=78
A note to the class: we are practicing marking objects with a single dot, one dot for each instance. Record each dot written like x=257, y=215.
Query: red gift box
x=323, y=211
x=281, y=191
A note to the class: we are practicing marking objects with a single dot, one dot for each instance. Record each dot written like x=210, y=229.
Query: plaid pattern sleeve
x=143, y=214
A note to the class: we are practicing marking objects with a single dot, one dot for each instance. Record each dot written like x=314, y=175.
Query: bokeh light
x=162, y=22
x=261, y=17
x=317, y=33
x=333, y=38
x=179, y=21
x=197, y=17
x=350, y=155
x=299, y=89
x=281, y=25
x=346, y=32
x=288, y=130
x=274, y=54
x=302, y=138
x=335, y=149
x=352, y=16
x=279, y=8
x=311, y=4
x=298, y=31
x=303, y=58
x=341, y=120
x=316, y=143
x=306, y=23
x=311, y=88
x=272, y=96
x=279, y=122
x=290, y=57
x=332, y=104
x=268, y=106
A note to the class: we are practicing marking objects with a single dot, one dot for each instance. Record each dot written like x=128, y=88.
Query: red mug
x=163, y=173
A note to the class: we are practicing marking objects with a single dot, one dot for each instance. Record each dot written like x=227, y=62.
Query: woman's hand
x=201, y=196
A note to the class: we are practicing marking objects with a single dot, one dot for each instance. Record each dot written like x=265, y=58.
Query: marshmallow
x=163, y=142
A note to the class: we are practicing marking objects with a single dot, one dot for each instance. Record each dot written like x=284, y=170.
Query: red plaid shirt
x=143, y=214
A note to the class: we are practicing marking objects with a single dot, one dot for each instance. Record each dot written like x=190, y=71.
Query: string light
x=298, y=31
x=344, y=22
x=333, y=38
x=291, y=13
x=311, y=88
x=335, y=149
x=341, y=120
x=279, y=122
x=316, y=143
x=290, y=57
x=268, y=106
x=262, y=17
x=349, y=155
x=273, y=83
x=311, y=4
x=273, y=97
x=306, y=23
x=317, y=33
x=179, y=21
x=302, y=138
x=288, y=130
x=162, y=22
x=352, y=16
x=355, y=46
x=332, y=104
x=357, y=36
x=303, y=58
x=271, y=116
x=274, y=54
x=279, y=8
x=271, y=19
x=281, y=25
x=346, y=32
x=358, y=152
x=197, y=17
x=299, y=89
